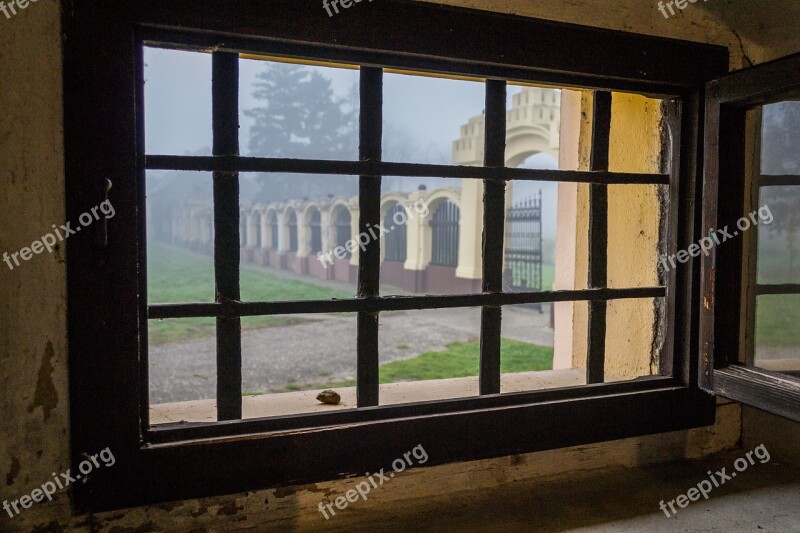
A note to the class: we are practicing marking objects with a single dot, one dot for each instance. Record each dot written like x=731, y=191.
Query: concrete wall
x=33, y=358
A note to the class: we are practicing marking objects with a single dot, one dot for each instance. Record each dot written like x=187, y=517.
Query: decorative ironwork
x=396, y=238
x=523, y=270
x=444, y=225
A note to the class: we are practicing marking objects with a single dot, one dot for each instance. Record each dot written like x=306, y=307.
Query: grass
x=175, y=276
x=776, y=321
x=548, y=276
x=184, y=329
x=460, y=359
x=777, y=316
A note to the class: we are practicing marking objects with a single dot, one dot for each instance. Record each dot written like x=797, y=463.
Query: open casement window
x=113, y=322
x=750, y=321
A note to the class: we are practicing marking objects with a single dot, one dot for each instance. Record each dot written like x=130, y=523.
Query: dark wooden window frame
x=104, y=141
x=725, y=364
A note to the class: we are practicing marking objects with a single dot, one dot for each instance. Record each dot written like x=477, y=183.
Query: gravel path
x=324, y=350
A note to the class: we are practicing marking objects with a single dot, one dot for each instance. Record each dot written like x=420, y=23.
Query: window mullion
x=598, y=238
x=493, y=235
x=369, y=209
x=225, y=111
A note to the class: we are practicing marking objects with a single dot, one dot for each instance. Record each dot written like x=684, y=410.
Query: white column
x=470, y=225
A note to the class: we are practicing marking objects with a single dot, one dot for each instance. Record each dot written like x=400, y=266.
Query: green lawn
x=460, y=359
x=778, y=320
x=777, y=317
x=174, y=276
x=548, y=277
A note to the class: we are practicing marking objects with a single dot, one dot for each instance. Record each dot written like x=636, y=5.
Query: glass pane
x=530, y=236
x=777, y=338
x=177, y=96
x=429, y=354
x=182, y=367
x=298, y=111
x=780, y=138
x=432, y=120
x=299, y=236
x=288, y=360
x=180, y=237
x=431, y=235
x=779, y=235
x=527, y=359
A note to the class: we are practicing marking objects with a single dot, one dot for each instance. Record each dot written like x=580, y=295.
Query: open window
x=113, y=326
x=751, y=279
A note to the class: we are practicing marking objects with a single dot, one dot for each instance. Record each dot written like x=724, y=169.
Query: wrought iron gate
x=523, y=270
x=444, y=224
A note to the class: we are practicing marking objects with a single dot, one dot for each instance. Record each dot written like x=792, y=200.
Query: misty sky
x=421, y=113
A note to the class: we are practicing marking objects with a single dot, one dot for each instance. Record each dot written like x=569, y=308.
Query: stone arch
x=525, y=141
x=312, y=222
x=388, y=200
x=254, y=229
x=341, y=224
x=272, y=227
x=290, y=224
x=437, y=196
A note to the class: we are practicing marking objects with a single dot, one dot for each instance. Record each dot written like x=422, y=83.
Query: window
x=751, y=281
x=109, y=326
